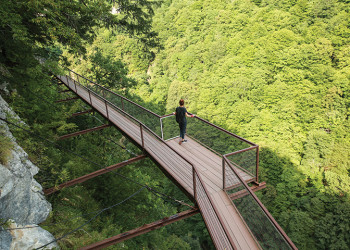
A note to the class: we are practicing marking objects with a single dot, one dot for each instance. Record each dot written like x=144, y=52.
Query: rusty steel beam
x=83, y=131
x=258, y=186
x=252, y=180
x=141, y=230
x=68, y=99
x=93, y=174
x=82, y=112
x=238, y=194
x=244, y=192
x=64, y=91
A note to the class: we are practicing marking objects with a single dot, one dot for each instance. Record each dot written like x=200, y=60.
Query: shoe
x=180, y=142
x=184, y=141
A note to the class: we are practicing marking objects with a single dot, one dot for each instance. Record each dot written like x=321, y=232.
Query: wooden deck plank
x=210, y=168
x=201, y=164
x=208, y=156
x=179, y=173
x=173, y=161
x=203, y=153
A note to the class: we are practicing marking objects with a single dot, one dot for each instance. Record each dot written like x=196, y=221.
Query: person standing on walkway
x=181, y=113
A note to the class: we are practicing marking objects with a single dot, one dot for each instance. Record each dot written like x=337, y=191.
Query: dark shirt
x=181, y=114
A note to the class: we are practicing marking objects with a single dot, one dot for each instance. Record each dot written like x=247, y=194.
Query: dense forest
x=274, y=72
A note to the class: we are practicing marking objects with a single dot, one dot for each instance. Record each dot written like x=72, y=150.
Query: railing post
x=194, y=183
x=161, y=127
x=257, y=164
x=223, y=173
x=106, y=110
x=90, y=96
x=122, y=104
x=67, y=80
x=142, y=142
x=76, y=90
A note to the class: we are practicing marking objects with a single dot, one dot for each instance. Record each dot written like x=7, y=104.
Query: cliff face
x=21, y=197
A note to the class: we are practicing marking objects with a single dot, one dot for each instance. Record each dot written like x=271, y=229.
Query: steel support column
x=83, y=131
x=82, y=112
x=93, y=174
x=68, y=99
x=64, y=91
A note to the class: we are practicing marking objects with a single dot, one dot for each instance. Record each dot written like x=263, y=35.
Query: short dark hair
x=181, y=102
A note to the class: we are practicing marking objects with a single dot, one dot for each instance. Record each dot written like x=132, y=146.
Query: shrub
x=6, y=146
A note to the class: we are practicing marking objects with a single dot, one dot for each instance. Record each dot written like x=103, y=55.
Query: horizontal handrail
x=266, y=212
x=224, y=130
x=241, y=151
x=215, y=126
x=134, y=103
x=163, y=116
x=140, y=123
x=250, y=146
x=143, y=125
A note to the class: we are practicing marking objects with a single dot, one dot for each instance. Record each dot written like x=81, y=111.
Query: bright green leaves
x=179, y=90
x=6, y=146
x=275, y=72
x=29, y=27
x=337, y=224
x=108, y=71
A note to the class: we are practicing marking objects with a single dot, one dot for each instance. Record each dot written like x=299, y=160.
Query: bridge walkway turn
x=198, y=171
x=209, y=169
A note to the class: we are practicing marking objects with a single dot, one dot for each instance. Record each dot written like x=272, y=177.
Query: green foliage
x=74, y=204
x=34, y=33
x=52, y=30
x=6, y=146
x=274, y=72
x=107, y=71
x=5, y=223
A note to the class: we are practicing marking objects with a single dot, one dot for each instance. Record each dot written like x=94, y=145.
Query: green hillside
x=274, y=72
x=278, y=74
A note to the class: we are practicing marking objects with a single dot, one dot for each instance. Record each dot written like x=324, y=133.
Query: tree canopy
x=274, y=72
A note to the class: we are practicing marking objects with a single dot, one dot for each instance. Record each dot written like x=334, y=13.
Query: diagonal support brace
x=68, y=99
x=82, y=112
x=84, y=131
x=245, y=192
x=141, y=230
x=64, y=91
x=93, y=174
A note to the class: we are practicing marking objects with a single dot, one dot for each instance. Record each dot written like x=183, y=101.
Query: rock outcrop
x=21, y=197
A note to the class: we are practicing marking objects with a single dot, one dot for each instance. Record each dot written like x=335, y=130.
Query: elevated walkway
x=207, y=175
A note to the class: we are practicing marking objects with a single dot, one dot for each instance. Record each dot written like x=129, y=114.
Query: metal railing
x=241, y=152
x=214, y=138
x=258, y=219
x=213, y=221
x=149, y=118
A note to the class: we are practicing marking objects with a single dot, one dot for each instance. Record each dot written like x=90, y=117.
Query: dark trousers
x=182, y=126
